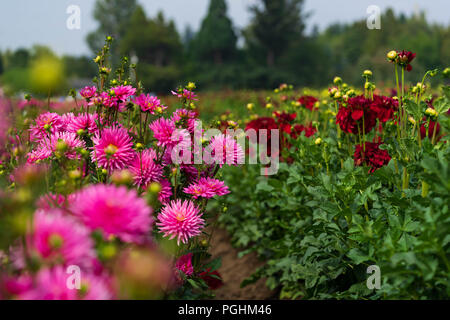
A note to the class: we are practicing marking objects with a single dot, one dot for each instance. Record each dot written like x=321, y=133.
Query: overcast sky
x=27, y=22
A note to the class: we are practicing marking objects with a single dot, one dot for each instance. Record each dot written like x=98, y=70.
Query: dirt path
x=234, y=270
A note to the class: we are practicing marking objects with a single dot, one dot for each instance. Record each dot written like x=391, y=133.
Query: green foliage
x=321, y=221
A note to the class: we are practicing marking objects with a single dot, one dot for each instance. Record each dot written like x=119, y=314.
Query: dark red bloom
x=308, y=102
x=404, y=59
x=384, y=107
x=423, y=131
x=357, y=112
x=285, y=120
x=262, y=123
x=299, y=128
x=372, y=156
x=212, y=279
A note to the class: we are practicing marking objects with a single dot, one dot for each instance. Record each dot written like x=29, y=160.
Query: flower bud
x=337, y=80
x=122, y=177
x=250, y=106
x=431, y=112
x=367, y=73
x=155, y=187
x=392, y=55
x=318, y=141
x=139, y=146
x=269, y=106
x=191, y=86
x=75, y=174
x=446, y=73
x=81, y=132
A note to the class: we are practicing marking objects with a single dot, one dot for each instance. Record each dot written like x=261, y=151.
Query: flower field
x=116, y=193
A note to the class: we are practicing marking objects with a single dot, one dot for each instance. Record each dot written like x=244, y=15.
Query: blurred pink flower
x=115, y=211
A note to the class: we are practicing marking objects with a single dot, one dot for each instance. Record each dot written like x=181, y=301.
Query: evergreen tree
x=157, y=45
x=216, y=40
x=275, y=25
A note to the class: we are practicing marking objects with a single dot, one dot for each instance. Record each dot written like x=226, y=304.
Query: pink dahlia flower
x=65, y=143
x=149, y=103
x=61, y=238
x=165, y=131
x=185, y=119
x=113, y=148
x=115, y=211
x=184, y=264
x=50, y=200
x=207, y=188
x=187, y=94
x=84, y=121
x=123, y=92
x=166, y=191
x=88, y=92
x=46, y=124
x=144, y=169
x=181, y=220
x=223, y=149
x=52, y=284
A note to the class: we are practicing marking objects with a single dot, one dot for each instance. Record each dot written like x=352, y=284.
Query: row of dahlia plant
x=93, y=204
x=366, y=185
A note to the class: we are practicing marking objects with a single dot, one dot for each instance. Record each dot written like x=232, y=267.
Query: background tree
x=216, y=40
x=114, y=18
x=212, y=53
x=157, y=45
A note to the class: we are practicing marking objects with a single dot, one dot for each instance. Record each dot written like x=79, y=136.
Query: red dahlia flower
x=212, y=279
x=384, y=107
x=404, y=59
x=357, y=113
x=372, y=156
x=423, y=131
x=308, y=102
x=299, y=128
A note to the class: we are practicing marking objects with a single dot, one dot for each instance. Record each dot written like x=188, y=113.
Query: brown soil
x=234, y=270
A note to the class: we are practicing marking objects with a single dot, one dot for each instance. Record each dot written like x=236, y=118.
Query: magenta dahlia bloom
x=51, y=284
x=115, y=211
x=149, y=103
x=113, y=148
x=167, y=134
x=60, y=238
x=88, y=92
x=207, y=188
x=50, y=200
x=184, y=264
x=223, y=149
x=144, y=169
x=187, y=94
x=84, y=121
x=185, y=119
x=123, y=92
x=65, y=143
x=166, y=191
x=46, y=124
x=181, y=220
